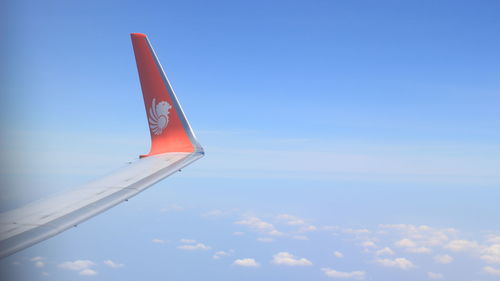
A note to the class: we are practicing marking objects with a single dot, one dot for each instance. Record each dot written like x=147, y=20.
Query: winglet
x=169, y=128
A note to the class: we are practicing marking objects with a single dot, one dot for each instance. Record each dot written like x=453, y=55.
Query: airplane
x=173, y=147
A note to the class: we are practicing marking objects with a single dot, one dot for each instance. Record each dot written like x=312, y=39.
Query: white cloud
x=246, y=262
x=238, y=233
x=401, y=263
x=362, y=231
x=495, y=239
x=76, y=265
x=369, y=244
x=275, y=233
x=82, y=266
x=285, y=258
x=491, y=254
x=260, y=226
x=418, y=236
x=412, y=247
x=193, y=247
x=113, y=264
x=38, y=261
x=220, y=254
x=462, y=245
x=491, y=270
x=291, y=220
x=385, y=252
x=443, y=259
x=308, y=228
x=256, y=223
x=359, y=275
x=433, y=275
x=187, y=241
x=406, y=243
x=338, y=254
x=88, y=272
x=158, y=241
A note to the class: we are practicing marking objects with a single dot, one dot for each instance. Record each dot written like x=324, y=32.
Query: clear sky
x=345, y=140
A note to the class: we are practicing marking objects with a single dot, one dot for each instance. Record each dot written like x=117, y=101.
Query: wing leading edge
x=173, y=146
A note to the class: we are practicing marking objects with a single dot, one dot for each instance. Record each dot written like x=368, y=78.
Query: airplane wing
x=173, y=146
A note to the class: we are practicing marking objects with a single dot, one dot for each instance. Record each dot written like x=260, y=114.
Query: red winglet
x=169, y=128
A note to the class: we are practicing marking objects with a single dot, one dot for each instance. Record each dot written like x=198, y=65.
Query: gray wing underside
x=35, y=222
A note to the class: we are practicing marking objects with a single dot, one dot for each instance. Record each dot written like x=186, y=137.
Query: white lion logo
x=158, y=116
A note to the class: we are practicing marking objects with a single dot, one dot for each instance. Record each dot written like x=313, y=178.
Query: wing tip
x=138, y=35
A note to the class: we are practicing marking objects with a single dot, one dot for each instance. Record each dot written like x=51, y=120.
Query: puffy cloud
x=338, y=254
x=113, y=264
x=495, y=239
x=285, y=258
x=406, y=243
x=308, y=228
x=412, y=247
x=433, y=275
x=401, y=263
x=76, y=265
x=369, y=244
x=82, y=266
x=420, y=236
x=275, y=233
x=462, y=245
x=260, y=226
x=362, y=231
x=291, y=220
x=158, y=241
x=194, y=247
x=246, y=262
x=39, y=261
x=359, y=275
x=443, y=259
x=296, y=221
x=385, y=252
x=220, y=254
x=491, y=270
x=88, y=272
x=256, y=223
x=491, y=254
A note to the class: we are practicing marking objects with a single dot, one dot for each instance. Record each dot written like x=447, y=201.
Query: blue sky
x=345, y=140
